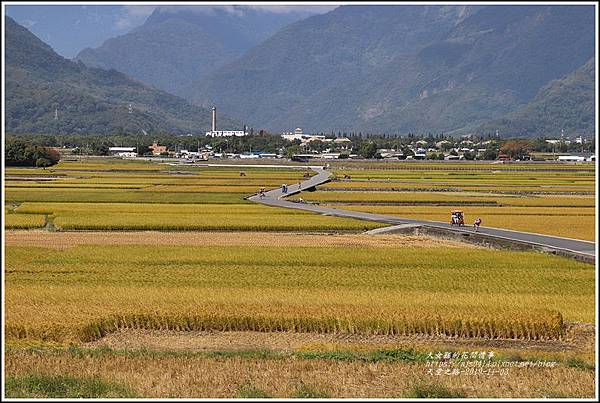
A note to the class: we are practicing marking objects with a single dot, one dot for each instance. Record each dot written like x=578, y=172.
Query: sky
x=68, y=29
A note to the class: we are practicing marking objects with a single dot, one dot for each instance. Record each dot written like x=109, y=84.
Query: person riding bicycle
x=477, y=224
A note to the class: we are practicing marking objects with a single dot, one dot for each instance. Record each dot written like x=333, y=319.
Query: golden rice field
x=544, y=178
x=24, y=221
x=461, y=166
x=186, y=217
x=554, y=201
x=576, y=222
x=116, y=181
x=417, y=185
x=89, y=290
x=125, y=195
x=150, y=263
x=449, y=198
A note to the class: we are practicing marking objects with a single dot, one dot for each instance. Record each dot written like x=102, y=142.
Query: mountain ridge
x=46, y=93
x=178, y=45
x=331, y=73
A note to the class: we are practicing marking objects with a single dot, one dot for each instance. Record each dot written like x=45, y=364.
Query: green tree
x=368, y=149
x=43, y=163
x=490, y=154
x=469, y=155
x=292, y=150
x=516, y=149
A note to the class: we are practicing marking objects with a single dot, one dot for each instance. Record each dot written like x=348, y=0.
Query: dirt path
x=62, y=240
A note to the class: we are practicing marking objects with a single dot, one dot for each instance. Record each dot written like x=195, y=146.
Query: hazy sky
x=71, y=28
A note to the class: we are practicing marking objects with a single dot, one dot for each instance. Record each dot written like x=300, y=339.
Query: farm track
x=584, y=249
x=70, y=239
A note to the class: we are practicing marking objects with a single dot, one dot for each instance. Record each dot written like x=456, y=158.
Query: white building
x=193, y=155
x=249, y=155
x=223, y=133
x=571, y=158
x=304, y=138
x=226, y=133
x=122, y=151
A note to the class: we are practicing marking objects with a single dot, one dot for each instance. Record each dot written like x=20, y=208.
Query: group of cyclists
x=457, y=218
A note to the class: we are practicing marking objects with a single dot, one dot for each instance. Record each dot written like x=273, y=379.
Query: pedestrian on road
x=477, y=224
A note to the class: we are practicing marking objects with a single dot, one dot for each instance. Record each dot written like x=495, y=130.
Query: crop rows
x=86, y=291
x=454, y=198
x=118, y=196
x=187, y=217
x=460, y=166
x=210, y=222
x=24, y=221
x=186, y=210
x=575, y=222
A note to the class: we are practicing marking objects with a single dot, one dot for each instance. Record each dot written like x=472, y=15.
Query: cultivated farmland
x=140, y=195
x=119, y=272
x=551, y=199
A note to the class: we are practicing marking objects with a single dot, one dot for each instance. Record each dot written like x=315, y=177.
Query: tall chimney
x=214, y=119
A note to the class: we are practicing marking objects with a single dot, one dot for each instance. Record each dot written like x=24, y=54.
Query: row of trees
x=25, y=153
x=272, y=143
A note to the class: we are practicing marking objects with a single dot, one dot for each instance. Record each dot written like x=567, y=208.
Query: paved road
x=276, y=198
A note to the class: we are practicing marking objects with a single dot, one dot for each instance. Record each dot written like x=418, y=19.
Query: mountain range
x=46, y=93
x=565, y=104
x=403, y=68
x=523, y=70
x=178, y=45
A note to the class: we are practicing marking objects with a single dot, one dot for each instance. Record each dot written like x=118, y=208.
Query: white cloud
x=239, y=9
x=295, y=9
x=139, y=11
x=28, y=23
x=133, y=16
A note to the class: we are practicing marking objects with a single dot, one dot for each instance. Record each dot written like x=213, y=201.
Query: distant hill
x=46, y=93
x=402, y=68
x=565, y=104
x=178, y=45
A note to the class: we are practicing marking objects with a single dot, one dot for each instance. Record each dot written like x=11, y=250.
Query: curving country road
x=275, y=198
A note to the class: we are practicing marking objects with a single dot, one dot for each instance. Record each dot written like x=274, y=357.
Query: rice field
x=88, y=291
x=566, y=216
x=513, y=178
x=185, y=217
x=576, y=222
x=461, y=166
x=130, y=195
x=24, y=221
x=447, y=198
x=553, y=199
x=151, y=263
x=417, y=185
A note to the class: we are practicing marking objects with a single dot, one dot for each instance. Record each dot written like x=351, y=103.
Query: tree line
x=26, y=153
x=28, y=149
